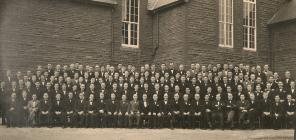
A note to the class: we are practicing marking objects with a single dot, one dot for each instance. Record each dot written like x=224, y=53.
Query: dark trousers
x=112, y=121
x=197, y=121
x=12, y=118
x=186, y=121
x=91, y=120
x=266, y=119
x=44, y=119
x=70, y=120
x=207, y=120
x=144, y=121
x=242, y=119
x=134, y=120
x=218, y=117
x=167, y=121
x=23, y=118
x=277, y=122
x=80, y=120
x=123, y=121
x=289, y=119
x=155, y=121
x=176, y=120
x=58, y=120
x=253, y=116
x=101, y=120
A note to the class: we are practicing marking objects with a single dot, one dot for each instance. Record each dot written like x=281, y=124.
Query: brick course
x=37, y=32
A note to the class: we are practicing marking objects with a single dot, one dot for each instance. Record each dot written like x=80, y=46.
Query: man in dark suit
x=144, y=111
x=58, y=111
x=80, y=109
x=230, y=109
x=186, y=108
x=207, y=111
x=266, y=111
x=218, y=110
x=197, y=110
x=12, y=111
x=134, y=110
x=70, y=110
x=166, y=112
x=277, y=113
x=289, y=113
x=91, y=112
x=23, y=109
x=243, y=106
x=3, y=100
x=45, y=111
x=176, y=111
x=254, y=110
x=155, y=112
x=101, y=111
x=112, y=112
x=123, y=112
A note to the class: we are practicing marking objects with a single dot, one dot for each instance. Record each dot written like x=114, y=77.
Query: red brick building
x=37, y=32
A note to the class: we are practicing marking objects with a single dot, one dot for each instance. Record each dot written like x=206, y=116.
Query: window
x=250, y=25
x=226, y=23
x=130, y=23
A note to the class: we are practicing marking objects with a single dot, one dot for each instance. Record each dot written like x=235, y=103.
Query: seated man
x=207, y=111
x=58, y=111
x=134, y=109
x=155, y=112
x=277, y=113
x=144, y=111
x=12, y=112
x=243, y=107
x=166, y=112
x=70, y=110
x=101, y=111
x=289, y=108
x=112, y=114
x=217, y=111
x=123, y=112
x=266, y=111
x=80, y=111
x=91, y=111
x=196, y=110
x=33, y=107
x=23, y=109
x=253, y=111
x=186, y=112
x=176, y=111
x=230, y=108
x=45, y=110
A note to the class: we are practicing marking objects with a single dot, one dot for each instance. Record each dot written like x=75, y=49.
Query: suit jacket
x=154, y=107
x=165, y=107
x=101, y=105
x=70, y=104
x=45, y=106
x=80, y=105
x=218, y=106
x=58, y=107
x=112, y=106
x=197, y=106
x=91, y=106
x=144, y=109
x=123, y=107
x=243, y=105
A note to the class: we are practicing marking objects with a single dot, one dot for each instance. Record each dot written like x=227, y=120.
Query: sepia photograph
x=147, y=69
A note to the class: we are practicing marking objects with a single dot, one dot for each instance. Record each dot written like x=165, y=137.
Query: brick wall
x=37, y=32
x=284, y=48
x=194, y=25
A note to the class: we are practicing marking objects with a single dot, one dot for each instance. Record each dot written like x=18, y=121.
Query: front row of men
x=179, y=113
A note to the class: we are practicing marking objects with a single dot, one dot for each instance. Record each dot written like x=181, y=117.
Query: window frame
x=129, y=24
x=248, y=26
x=225, y=23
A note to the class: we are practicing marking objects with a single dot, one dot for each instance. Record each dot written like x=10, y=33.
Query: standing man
x=33, y=107
x=134, y=110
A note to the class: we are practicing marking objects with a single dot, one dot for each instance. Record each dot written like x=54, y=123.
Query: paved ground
x=140, y=134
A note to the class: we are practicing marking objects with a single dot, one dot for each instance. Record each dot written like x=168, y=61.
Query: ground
x=140, y=134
